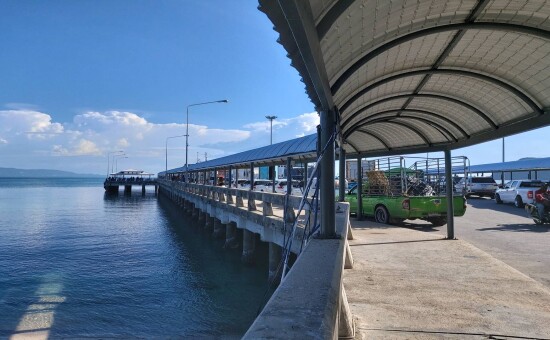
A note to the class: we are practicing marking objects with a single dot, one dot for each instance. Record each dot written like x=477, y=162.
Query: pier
x=317, y=273
x=129, y=179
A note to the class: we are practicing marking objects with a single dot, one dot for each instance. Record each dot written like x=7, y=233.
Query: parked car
x=479, y=186
x=518, y=192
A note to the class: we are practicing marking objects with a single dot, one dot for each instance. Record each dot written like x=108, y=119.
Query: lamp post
x=109, y=158
x=114, y=159
x=187, y=129
x=166, y=149
x=116, y=162
x=271, y=118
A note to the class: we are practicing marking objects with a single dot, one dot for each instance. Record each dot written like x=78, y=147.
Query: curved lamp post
x=116, y=162
x=166, y=149
x=187, y=129
x=109, y=158
x=113, y=161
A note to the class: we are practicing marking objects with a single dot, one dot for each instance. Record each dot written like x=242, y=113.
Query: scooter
x=534, y=214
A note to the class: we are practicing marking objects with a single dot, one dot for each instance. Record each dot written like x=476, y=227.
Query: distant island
x=19, y=173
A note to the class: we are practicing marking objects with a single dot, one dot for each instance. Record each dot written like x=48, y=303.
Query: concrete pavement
x=408, y=284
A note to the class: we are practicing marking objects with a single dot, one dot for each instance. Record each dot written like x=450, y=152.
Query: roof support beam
x=331, y=16
x=299, y=19
x=432, y=30
x=408, y=127
x=476, y=75
x=375, y=136
x=435, y=96
x=352, y=145
x=446, y=133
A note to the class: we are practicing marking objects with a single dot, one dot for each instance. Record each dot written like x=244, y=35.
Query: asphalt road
x=504, y=232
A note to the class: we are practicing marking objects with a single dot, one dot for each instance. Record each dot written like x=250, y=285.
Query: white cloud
x=35, y=138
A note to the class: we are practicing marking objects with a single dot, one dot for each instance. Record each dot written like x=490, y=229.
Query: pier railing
x=311, y=299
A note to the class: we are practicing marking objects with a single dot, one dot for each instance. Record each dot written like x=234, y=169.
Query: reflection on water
x=77, y=263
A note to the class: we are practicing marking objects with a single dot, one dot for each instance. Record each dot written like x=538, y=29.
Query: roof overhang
x=417, y=76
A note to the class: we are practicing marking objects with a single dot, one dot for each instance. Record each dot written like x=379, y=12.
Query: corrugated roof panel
x=305, y=146
x=525, y=164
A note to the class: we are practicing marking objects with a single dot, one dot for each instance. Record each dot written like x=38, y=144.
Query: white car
x=518, y=192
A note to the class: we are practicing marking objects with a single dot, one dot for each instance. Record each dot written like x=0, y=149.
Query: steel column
x=359, y=189
x=342, y=175
x=449, y=189
x=327, y=194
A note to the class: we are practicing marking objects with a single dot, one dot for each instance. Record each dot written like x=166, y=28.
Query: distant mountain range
x=12, y=172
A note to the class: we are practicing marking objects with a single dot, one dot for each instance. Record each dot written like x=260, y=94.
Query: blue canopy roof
x=304, y=148
x=521, y=165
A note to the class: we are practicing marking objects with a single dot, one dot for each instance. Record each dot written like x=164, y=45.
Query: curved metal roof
x=415, y=75
x=303, y=147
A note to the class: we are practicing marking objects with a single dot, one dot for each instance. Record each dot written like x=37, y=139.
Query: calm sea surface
x=77, y=263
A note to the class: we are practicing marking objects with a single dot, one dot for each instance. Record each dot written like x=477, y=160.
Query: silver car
x=479, y=186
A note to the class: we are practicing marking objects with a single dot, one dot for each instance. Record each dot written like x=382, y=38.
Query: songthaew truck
x=393, y=192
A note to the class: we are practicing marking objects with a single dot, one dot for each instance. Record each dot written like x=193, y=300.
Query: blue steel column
x=450, y=203
x=327, y=192
x=342, y=176
x=359, y=189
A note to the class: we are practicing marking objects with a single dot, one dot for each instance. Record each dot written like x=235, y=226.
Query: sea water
x=75, y=262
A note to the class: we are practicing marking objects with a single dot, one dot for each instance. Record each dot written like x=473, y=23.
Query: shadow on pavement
x=487, y=203
x=395, y=242
x=521, y=227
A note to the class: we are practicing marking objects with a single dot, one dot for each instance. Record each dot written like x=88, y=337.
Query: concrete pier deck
x=408, y=284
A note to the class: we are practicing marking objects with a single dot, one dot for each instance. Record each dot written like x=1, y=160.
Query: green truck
x=400, y=193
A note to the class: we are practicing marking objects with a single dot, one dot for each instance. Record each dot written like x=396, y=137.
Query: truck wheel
x=381, y=215
x=518, y=202
x=497, y=199
x=438, y=221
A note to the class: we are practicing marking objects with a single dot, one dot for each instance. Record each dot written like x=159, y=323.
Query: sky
x=80, y=80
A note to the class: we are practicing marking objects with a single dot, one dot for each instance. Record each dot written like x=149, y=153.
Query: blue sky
x=89, y=77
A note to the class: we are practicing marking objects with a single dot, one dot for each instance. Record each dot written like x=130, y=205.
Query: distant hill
x=12, y=172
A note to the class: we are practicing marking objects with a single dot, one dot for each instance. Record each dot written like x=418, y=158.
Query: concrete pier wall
x=310, y=301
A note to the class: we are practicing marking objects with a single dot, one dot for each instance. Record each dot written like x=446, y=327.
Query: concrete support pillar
x=327, y=194
x=230, y=179
x=450, y=203
x=127, y=189
x=143, y=189
x=267, y=206
x=346, y=329
x=231, y=236
x=156, y=189
x=230, y=198
x=239, y=202
x=219, y=229
x=209, y=224
x=342, y=176
x=275, y=264
x=201, y=217
x=249, y=247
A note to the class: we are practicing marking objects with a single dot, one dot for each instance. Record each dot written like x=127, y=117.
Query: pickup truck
x=396, y=209
x=518, y=192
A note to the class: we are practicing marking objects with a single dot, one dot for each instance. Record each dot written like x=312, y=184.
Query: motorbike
x=534, y=214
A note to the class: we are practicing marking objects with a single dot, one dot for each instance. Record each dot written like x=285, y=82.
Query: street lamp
x=166, y=148
x=109, y=158
x=116, y=162
x=271, y=118
x=114, y=159
x=187, y=129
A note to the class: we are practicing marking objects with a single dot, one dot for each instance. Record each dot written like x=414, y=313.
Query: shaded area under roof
x=304, y=148
x=520, y=165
